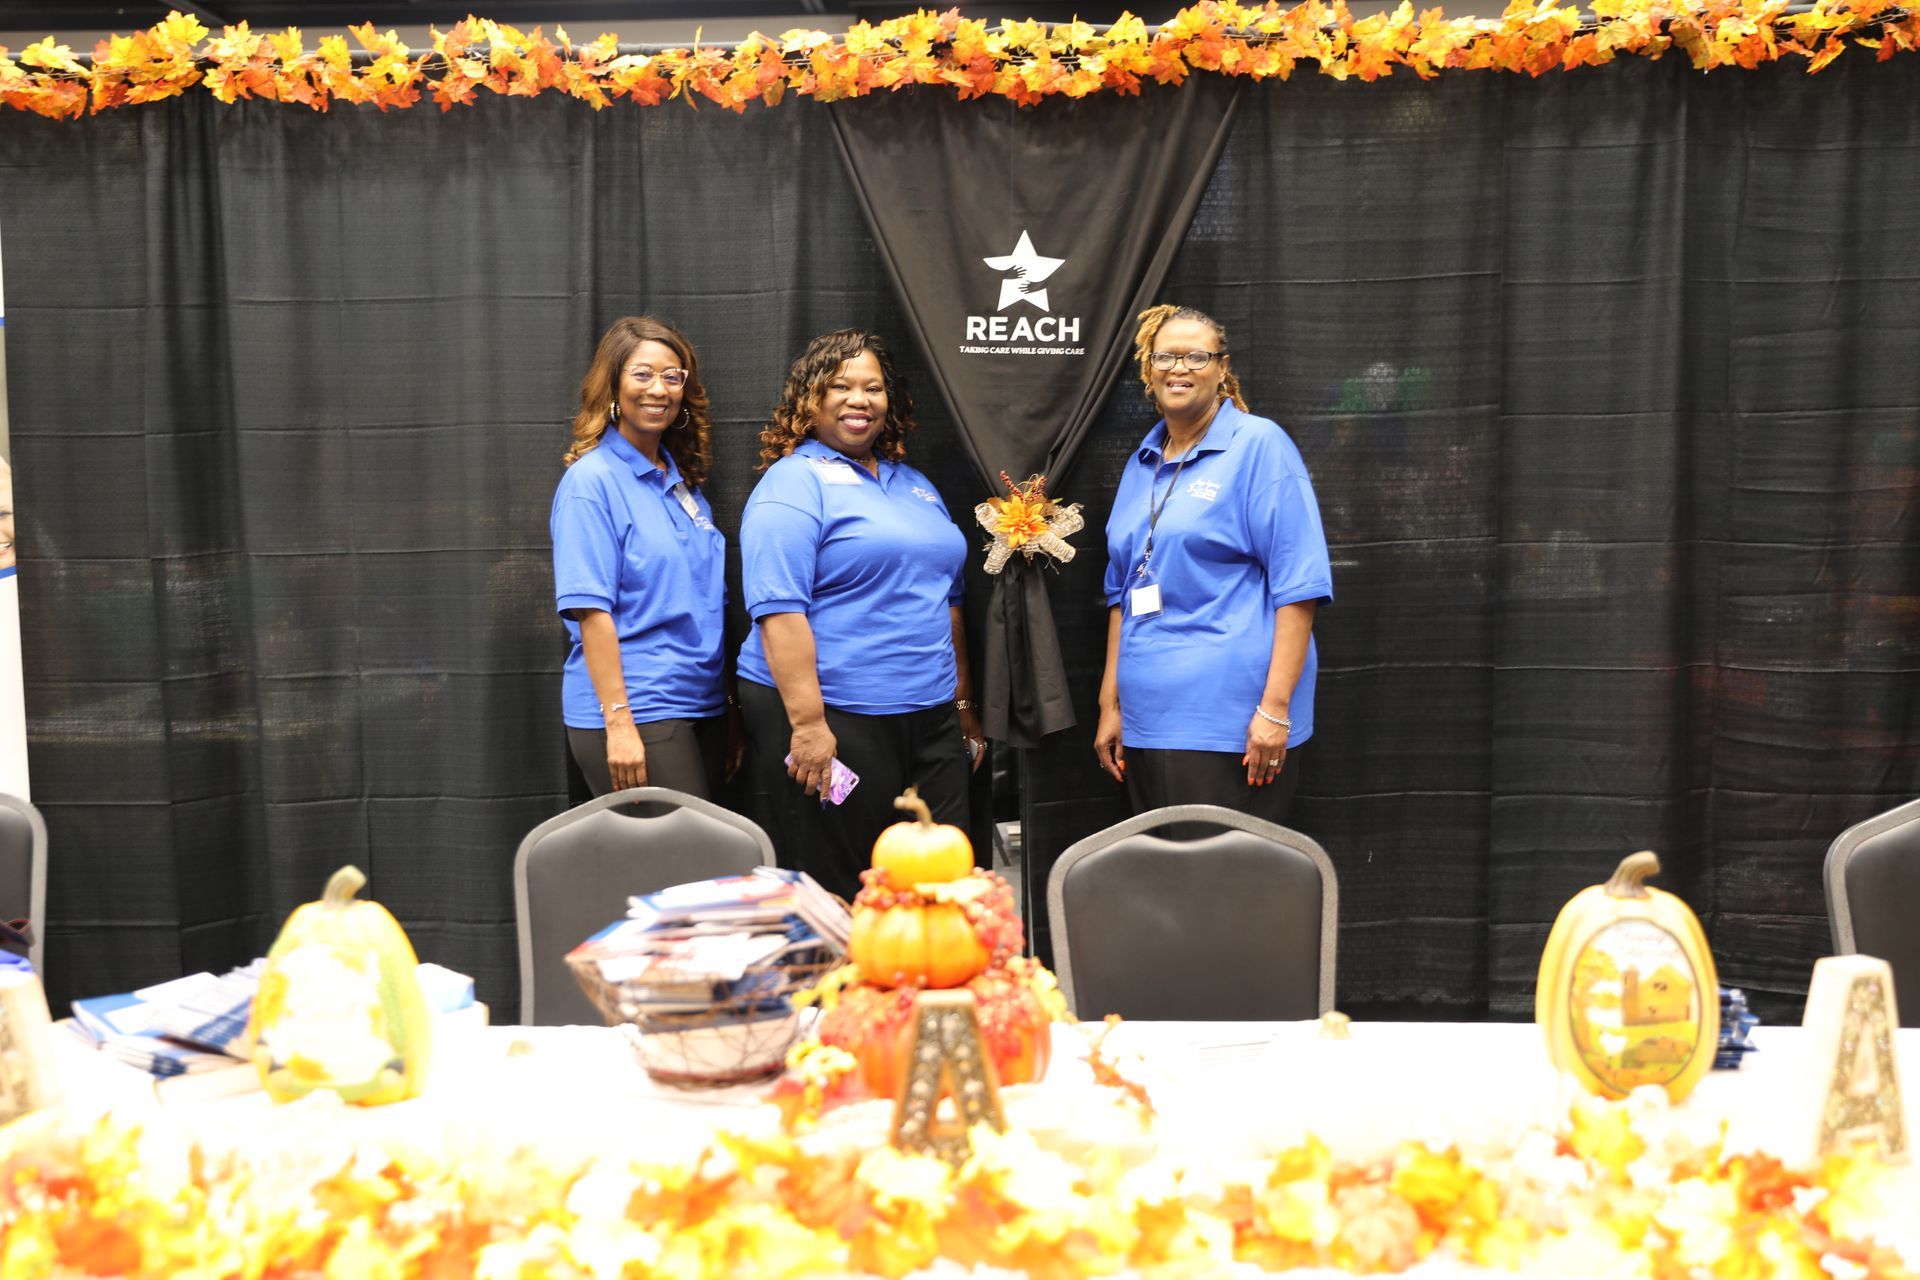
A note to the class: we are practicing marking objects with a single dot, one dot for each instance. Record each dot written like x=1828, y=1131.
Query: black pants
x=1158, y=777
x=686, y=755
x=835, y=844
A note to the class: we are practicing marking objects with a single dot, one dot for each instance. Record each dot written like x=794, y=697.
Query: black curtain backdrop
x=1103, y=190
x=1606, y=380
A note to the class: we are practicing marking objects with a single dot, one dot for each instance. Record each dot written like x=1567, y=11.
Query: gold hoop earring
x=613, y=413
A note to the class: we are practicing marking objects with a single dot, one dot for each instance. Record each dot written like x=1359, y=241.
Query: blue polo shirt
x=641, y=545
x=874, y=564
x=1239, y=537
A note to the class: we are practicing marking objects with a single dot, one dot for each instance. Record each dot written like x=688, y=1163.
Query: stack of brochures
x=189, y=1025
x=198, y=1023
x=728, y=940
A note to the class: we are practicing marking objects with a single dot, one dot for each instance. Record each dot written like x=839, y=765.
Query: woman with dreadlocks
x=1216, y=562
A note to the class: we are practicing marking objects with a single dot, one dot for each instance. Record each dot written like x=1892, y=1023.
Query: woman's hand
x=1266, y=750
x=626, y=757
x=975, y=737
x=736, y=741
x=1106, y=743
x=813, y=747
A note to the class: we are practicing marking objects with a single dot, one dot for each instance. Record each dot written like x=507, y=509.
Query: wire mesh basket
x=742, y=1034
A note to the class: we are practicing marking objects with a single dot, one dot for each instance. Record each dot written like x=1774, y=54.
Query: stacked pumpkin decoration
x=927, y=918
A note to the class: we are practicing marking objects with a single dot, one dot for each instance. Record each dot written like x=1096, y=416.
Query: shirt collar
x=812, y=448
x=1220, y=433
x=642, y=469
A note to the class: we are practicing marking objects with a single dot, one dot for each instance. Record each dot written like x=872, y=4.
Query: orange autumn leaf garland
x=1022, y=61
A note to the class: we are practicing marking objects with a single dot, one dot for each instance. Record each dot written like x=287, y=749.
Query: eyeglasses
x=1194, y=360
x=645, y=374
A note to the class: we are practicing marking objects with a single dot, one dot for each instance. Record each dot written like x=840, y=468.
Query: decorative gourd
x=875, y=1024
x=921, y=851
x=339, y=1005
x=916, y=945
x=932, y=934
x=1628, y=995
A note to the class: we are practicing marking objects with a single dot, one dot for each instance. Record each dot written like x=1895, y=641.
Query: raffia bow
x=1028, y=521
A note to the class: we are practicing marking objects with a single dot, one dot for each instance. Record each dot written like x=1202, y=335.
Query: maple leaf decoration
x=1027, y=521
x=1024, y=62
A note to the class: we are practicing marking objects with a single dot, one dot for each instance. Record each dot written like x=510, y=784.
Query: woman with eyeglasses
x=851, y=568
x=1216, y=562
x=640, y=573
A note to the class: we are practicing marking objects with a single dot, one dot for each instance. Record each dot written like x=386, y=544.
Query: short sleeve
x=586, y=554
x=1283, y=518
x=779, y=545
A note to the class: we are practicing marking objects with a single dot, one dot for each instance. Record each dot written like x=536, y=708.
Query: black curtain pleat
x=1605, y=379
x=1102, y=190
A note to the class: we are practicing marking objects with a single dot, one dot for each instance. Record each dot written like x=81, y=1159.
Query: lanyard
x=1156, y=510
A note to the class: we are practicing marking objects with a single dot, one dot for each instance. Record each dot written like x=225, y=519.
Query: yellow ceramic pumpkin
x=921, y=851
x=1628, y=995
x=340, y=1005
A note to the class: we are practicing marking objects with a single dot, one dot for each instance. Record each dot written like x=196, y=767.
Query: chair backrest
x=574, y=873
x=1873, y=898
x=1235, y=925
x=23, y=869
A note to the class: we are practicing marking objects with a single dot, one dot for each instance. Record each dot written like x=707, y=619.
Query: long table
x=1226, y=1095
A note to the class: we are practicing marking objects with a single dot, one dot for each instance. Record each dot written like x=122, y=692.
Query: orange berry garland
x=875, y=1024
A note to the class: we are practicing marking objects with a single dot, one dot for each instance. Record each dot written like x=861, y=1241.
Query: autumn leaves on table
x=1025, y=62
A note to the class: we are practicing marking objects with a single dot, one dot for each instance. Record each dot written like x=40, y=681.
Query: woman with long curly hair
x=851, y=569
x=640, y=572
x=1216, y=562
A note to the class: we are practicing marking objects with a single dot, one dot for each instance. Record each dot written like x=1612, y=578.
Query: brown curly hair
x=687, y=439
x=801, y=398
x=1150, y=322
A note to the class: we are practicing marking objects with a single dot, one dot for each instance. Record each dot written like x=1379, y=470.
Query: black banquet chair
x=1873, y=898
x=1236, y=924
x=574, y=873
x=23, y=870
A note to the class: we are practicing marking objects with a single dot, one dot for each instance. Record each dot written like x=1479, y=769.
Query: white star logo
x=1028, y=269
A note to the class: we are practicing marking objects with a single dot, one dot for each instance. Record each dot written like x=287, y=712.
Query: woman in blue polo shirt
x=639, y=571
x=852, y=574
x=1216, y=562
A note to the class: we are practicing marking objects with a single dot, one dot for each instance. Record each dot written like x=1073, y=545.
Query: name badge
x=687, y=502
x=831, y=472
x=1144, y=601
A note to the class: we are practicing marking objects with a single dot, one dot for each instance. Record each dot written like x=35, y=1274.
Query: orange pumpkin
x=921, y=851
x=875, y=1025
x=930, y=945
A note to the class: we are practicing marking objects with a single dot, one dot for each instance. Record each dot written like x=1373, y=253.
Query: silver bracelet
x=964, y=704
x=1262, y=713
x=606, y=710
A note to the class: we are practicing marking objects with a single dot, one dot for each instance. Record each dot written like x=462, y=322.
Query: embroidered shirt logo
x=925, y=495
x=1207, y=489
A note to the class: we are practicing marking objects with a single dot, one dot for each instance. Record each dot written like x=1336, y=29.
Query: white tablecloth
x=1220, y=1088
x=1225, y=1094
